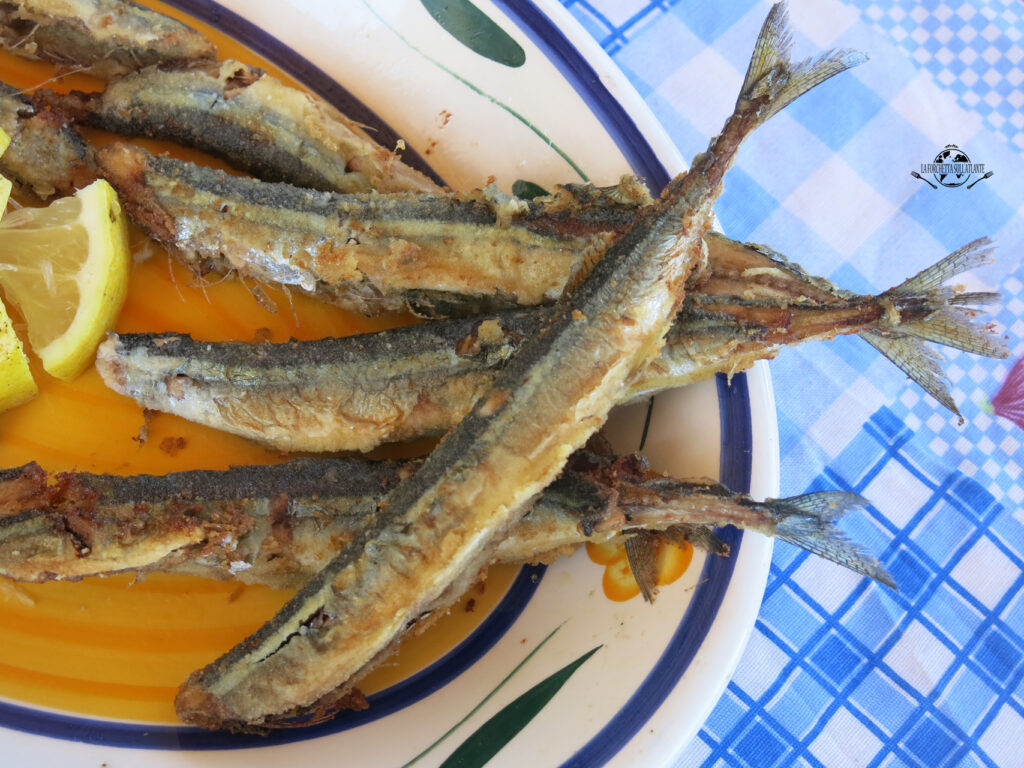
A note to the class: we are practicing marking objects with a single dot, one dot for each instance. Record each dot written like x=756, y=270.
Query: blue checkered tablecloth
x=839, y=671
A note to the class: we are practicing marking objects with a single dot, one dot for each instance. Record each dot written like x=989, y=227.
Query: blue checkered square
x=1010, y=530
x=759, y=746
x=946, y=41
x=943, y=532
x=839, y=111
x=596, y=25
x=910, y=573
x=790, y=619
x=743, y=206
x=709, y=20
x=999, y=656
x=799, y=705
x=873, y=619
x=892, y=761
x=958, y=619
x=836, y=660
x=883, y=702
x=642, y=54
x=784, y=558
x=945, y=215
x=725, y=716
x=781, y=158
x=859, y=461
x=931, y=744
x=966, y=700
x=971, y=760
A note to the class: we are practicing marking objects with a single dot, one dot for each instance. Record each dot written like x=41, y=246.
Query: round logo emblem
x=949, y=155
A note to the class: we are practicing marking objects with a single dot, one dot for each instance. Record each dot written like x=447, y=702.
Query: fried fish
x=443, y=522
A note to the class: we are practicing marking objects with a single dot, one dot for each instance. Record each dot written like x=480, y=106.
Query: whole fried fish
x=253, y=120
x=104, y=37
x=355, y=393
x=278, y=525
x=443, y=523
x=431, y=253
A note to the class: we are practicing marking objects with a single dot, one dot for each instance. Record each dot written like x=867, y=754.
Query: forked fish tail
x=924, y=308
x=807, y=521
x=771, y=83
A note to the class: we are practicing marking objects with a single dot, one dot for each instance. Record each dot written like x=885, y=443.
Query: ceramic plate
x=518, y=92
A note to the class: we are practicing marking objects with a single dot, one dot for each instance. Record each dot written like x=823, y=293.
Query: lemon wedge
x=16, y=382
x=66, y=268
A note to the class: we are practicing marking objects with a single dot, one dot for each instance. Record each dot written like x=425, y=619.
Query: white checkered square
x=768, y=661
x=707, y=78
x=823, y=21
x=845, y=234
x=985, y=572
x=826, y=583
x=919, y=657
x=897, y=494
x=840, y=422
x=1001, y=740
x=845, y=742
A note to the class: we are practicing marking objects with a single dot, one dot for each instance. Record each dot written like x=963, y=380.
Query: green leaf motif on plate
x=527, y=190
x=493, y=735
x=475, y=30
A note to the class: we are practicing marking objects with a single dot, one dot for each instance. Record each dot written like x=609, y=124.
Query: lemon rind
x=102, y=285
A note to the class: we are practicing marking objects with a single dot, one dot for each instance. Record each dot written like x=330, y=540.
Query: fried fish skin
x=367, y=252
x=46, y=155
x=105, y=37
x=278, y=525
x=445, y=520
x=251, y=119
x=355, y=393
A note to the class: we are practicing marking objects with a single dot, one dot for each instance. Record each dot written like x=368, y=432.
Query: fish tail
x=773, y=81
x=948, y=315
x=808, y=521
x=926, y=309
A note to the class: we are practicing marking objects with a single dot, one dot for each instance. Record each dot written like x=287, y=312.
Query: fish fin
x=640, y=552
x=772, y=80
x=942, y=314
x=975, y=254
x=953, y=326
x=926, y=309
x=808, y=521
x=916, y=360
x=700, y=536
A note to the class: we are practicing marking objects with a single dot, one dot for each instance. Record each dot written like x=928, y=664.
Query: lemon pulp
x=66, y=268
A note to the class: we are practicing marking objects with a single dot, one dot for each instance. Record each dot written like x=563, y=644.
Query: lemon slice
x=16, y=382
x=66, y=267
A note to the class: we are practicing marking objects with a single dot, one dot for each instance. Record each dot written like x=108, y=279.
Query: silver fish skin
x=429, y=253
x=249, y=118
x=104, y=37
x=46, y=155
x=445, y=520
x=356, y=393
x=278, y=525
